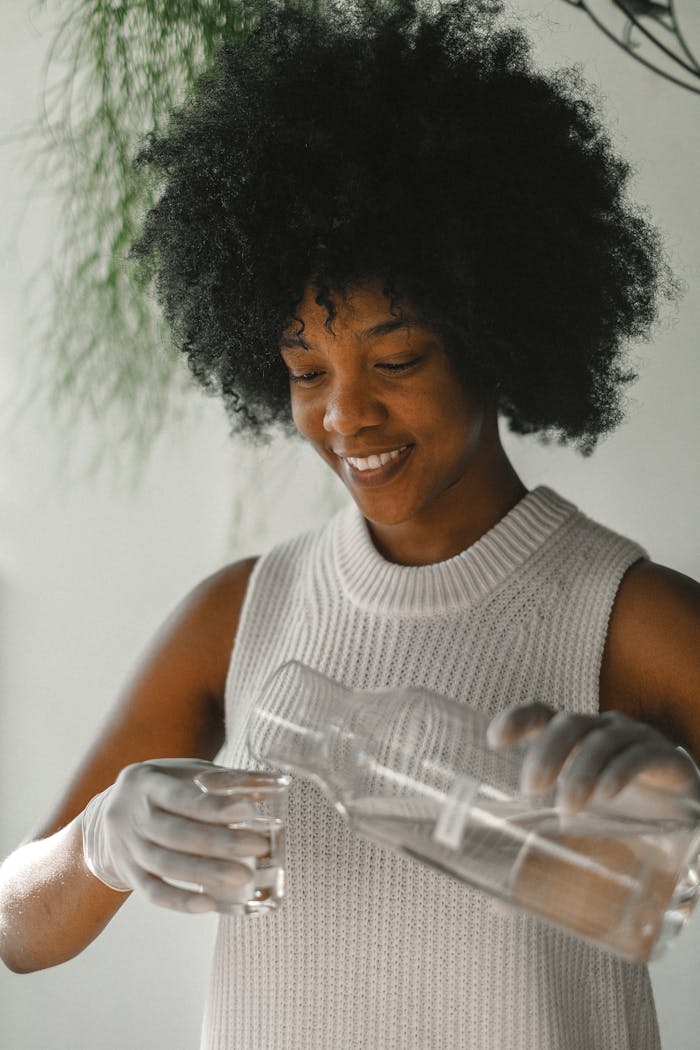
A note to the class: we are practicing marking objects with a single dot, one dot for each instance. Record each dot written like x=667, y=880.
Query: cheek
x=299, y=412
x=464, y=425
x=307, y=417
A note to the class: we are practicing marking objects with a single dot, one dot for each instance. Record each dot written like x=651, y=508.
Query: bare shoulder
x=651, y=663
x=196, y=640
x=211, y=612
x=192, y=650
x=171, y=705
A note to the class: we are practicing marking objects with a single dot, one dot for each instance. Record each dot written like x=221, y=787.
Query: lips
x=371, y=462
x=370, y=471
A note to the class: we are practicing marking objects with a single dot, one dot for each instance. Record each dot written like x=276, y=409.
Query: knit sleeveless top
x=372, y=951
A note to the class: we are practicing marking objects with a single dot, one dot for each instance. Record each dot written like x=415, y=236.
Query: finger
x=175, y=795
x=659, y=765
x=186, y=799
x=517, y=723
x=176, y=898
x=184, y=867
x=181, y=768
x=581, y=772
x=219, y=780
x=187, y=836
x=233, y=808
x=547, y=754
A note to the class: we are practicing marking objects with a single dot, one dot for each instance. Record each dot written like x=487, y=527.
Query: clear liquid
x=627, y=885
x=265, y=891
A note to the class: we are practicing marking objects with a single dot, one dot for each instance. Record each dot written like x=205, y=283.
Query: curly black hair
x=414, y=144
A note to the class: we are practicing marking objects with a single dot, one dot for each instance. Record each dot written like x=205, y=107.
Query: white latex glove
x=154, y=823
x=592, y=755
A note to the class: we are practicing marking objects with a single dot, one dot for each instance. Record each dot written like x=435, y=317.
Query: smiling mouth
x=377, y=469
x=374, y=462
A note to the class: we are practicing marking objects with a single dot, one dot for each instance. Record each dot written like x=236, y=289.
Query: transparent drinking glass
x=259, y=804
x=413, y=770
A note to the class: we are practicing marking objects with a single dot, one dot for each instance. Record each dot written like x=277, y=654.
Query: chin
x=379, y=515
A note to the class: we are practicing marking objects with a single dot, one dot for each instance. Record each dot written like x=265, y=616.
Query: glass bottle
x=413, y=770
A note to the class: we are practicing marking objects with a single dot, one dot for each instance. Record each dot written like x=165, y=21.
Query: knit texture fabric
x=372, y=951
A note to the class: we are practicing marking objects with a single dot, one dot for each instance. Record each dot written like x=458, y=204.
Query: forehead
x=362, y=310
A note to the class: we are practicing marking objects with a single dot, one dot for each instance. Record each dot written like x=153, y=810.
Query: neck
x=461, y=516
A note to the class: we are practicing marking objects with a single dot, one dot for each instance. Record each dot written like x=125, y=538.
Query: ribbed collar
x=381, y=586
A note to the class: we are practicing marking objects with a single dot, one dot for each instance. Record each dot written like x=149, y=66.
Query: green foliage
x=114, y=71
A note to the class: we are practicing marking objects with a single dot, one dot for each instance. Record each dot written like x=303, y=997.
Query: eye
x=307, y=377
x=400, y=367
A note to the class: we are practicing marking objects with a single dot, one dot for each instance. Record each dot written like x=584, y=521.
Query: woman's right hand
x=154, y=824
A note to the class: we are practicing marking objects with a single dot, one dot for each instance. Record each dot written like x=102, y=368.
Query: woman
x=384, y=230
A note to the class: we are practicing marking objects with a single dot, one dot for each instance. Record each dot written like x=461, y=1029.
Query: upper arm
x=172, y=705
x=651, y=663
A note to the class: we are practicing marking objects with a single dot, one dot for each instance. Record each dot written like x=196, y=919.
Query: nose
x=351, y=406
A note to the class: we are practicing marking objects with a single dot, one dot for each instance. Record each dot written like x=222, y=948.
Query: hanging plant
x=115, y=70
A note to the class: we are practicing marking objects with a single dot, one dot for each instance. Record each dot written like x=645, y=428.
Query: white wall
x=89, y=569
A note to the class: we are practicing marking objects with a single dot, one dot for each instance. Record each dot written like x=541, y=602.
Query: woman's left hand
x=592, y=755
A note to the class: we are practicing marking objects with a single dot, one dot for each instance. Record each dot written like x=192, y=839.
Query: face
x=381, y=403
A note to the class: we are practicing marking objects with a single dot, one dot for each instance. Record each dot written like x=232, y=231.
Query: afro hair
x=418, y=145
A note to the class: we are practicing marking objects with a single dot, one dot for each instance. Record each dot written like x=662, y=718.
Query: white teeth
x=372, y=462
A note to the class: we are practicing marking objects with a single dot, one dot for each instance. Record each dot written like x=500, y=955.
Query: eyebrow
x=293, y=342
